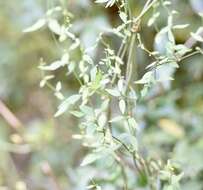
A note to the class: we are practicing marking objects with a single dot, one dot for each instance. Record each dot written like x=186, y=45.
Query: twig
x=124, y=175
x=189, y=44
x=9, y=116
x=130, y=61
x=189, y=55
x=147, y=6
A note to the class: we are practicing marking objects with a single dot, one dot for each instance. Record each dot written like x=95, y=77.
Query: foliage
x=129, y=119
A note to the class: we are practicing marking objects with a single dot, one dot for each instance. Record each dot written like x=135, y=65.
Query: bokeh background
x=37, y=151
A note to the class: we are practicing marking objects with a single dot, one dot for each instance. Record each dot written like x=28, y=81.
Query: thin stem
x=123, y=144
x=130, y=60
x=147, y=3
x=124, y=175
x=121, y=48
x=129, y=9
x=109, y=116
x=145, y=10
x=118, y=55
x=189, y=55
x=78, y=79
x=134, y=156
x=10, y=117
x=124, y=51
x=50, y=86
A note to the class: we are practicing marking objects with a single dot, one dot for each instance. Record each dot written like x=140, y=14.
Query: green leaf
x=52, y=67
x=59, y=95
x=87, y=110
x=117, y=119
x=113, y=92
x=145, y=90
x=181, y=26
x=58, y=86
x=123, y=16
x=36, y=26
x=89, y=159
x=105, y=105
x=66, y=104
x=147, y=78
x=122, y=106
x=132, y=122
x=53, y=10
x=109, y=2
x=102, y=120
x=121, y=85
x=54, y=26
x=101, y=1
x=77, y=113
x=45, y=79
x=74, y=45
x=71, y=67
x=88, y=59
x=153, y=19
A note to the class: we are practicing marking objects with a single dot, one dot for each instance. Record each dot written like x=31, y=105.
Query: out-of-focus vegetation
x=37, y=151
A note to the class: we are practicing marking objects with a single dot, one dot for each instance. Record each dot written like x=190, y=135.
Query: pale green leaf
x=89, y=159
x=123, y=16
x=181, y=26
x=132, y=122
x=113, y=92
x=102, y=120
x=36, y=26
x=147, y=78
x=87, y=110
x=77, y=113
x=66, y=104
x=122, y=106
x=52, y=67
x=58, y=86
x=117, y=119
x=54, y=26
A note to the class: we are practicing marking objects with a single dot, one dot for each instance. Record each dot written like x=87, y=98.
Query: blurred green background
x=40, y=154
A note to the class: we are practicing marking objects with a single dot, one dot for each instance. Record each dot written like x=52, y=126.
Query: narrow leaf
x=36, y=26
x=67, y=103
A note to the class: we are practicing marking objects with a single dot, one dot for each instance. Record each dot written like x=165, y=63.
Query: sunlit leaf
x=89, y=159
x=36, y=26
x=113, y=92
x=122, y=106
x=67, y=103
x=123, y=16
x=54, y=26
